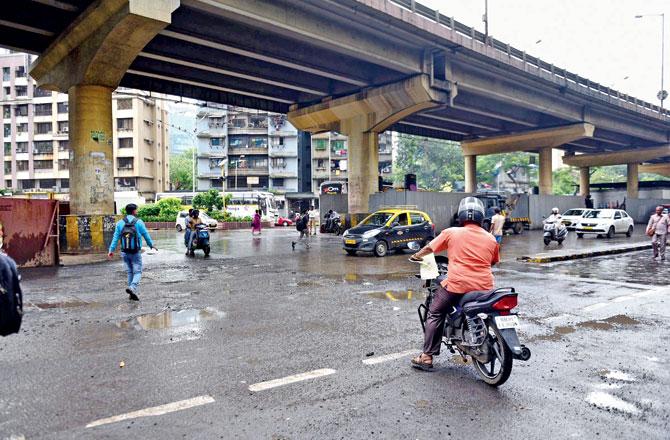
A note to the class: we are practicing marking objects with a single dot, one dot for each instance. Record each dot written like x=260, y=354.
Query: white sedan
x=180, y=223
x=572, y=217
x=605, y=222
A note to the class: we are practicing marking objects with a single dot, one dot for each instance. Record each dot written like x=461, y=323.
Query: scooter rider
x=330, y=218
x=193, y=220
x=555, y=217
x=472, y=251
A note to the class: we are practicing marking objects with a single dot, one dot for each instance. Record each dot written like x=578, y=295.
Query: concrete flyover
x=351, y=63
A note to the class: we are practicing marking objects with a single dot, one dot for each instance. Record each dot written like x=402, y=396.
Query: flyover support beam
x=470, y=174
x=584, y=181
x=633, y=155
x=88, y=61
x=657, y=168
x=546, y=177
x=632, y=180
x=92, y=163
x=362, y=117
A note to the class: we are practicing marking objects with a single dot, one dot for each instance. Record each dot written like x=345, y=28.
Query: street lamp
x=237, y=165
x=662, y=94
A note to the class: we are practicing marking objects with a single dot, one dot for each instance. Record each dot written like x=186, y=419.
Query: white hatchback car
x=572, y=217
x=605, y=222
x=180, y=223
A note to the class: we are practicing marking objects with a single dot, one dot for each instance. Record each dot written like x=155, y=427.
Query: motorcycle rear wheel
x=503, y=356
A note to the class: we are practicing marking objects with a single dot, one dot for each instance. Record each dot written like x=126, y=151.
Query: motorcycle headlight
x=371, y=233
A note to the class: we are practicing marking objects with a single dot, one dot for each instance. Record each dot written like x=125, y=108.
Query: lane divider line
x=261, y=386
x=155, y=411
x=389, y=357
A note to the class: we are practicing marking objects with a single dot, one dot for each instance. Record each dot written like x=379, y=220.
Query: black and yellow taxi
x=389, y=229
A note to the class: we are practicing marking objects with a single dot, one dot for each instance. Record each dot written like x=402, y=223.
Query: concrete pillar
x=632, y=181
x=584, y=181
x=91, y=160
x=362, y=163
x=546, y=177
x=470, y=174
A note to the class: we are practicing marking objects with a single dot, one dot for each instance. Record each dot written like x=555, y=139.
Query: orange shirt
x=471, y=251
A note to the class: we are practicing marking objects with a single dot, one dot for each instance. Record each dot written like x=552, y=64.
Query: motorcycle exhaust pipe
x=525, y=353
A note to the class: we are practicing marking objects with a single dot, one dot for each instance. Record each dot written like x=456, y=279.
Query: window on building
x=281, y=140
x=279, y=162
x=125, y=163
x=238, y=142
x=124, y=104
x=43, y=147
x=258, y=162
x=124, y=124
x=278, y=183
x=216, y=183
x=125, y=182
x=41, y=93
x=6, y=74
x=62, y=107
x=7, y=130
x=21, y=110
x=258, y=122
x=21, y=165
x=63, y=164
x=63, y=126
x=214, y=163
x=258, y=142
x=43, y=127
x=43, y=109
x=338, y=148
x=43, y=164
x=20, y=72
x=239, y=122
x=22, y=147
x=22, y=128
x=216, y=142
x=385, y=167
x=6, y=111
x=8, y=148
x=8, y=169
x=63, y=145
x=7, y=91
x=321, y=164
x=21, y=90
x=125, y=142
x=8, y=182
x=26, y=184
x=47, y=183
x=320, y=144
x=64, y=183
x=216, y=122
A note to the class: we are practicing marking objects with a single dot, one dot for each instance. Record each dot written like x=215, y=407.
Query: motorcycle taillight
x=505, y=304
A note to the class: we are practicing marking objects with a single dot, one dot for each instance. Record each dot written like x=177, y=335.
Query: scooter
x=201, y=240
x=493, y=343
x=554, y=233
x=332, y=225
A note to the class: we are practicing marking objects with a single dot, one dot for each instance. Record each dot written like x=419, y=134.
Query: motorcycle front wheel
x=497, y=371
x=547, y=241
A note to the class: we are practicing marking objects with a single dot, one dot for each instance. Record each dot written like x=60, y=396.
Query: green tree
x=438, y=164
x=565, y=181
x=489, y=166
x=181, y=170
x=209, y=200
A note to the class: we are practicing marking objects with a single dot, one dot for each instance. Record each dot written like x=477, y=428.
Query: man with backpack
x=302, y=225
x=130, y=231
x=11, y=297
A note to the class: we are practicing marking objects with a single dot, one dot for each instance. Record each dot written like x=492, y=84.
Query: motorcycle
x=333, y=225
x=201, y=240
x=553, y=233
x=493, y=344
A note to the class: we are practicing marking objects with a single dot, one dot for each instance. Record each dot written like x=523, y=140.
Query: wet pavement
x=259, y=341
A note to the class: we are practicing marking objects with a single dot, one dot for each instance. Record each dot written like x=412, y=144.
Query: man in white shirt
x=497, y=223
x=313, y=214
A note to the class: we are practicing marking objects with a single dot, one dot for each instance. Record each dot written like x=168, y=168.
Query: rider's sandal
x=417, y=362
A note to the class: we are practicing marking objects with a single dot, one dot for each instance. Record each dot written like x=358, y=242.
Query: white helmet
x=554, y=210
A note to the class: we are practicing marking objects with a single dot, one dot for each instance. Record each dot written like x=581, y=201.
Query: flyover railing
x=534, y=64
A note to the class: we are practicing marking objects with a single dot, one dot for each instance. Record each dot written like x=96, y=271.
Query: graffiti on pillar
x=99, y=187
x=98, y=135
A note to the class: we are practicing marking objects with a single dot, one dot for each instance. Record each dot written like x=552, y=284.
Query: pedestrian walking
x=256, y=223
x=657, y=229
x=302, y=226
x=313, y=214
x=130, y=231
x=497, y=223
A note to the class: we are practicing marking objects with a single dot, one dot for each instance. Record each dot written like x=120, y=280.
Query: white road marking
x=155, y=411
x=595, y=306
x=619, y=299
x=389, y=357
x=261, y=386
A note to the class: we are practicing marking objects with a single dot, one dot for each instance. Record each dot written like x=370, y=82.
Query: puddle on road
x=356, y=277
x=171, y=319
x=61, y=303
x=397, y=295
x=616, y=321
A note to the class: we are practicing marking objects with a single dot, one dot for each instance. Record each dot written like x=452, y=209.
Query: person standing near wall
x=588, y=201
x=313, y=214
x=497, y=223
x=657, y=229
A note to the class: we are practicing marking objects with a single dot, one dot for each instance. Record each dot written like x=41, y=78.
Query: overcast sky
x=597, y=39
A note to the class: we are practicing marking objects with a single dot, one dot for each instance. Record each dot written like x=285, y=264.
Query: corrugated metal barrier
x=29, y=231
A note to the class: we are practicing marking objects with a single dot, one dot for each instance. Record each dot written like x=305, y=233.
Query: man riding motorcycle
x=331, y=216
x=555, y=217
x=471, y=251
x=193, y=220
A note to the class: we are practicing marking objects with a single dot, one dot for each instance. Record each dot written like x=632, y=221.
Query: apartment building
x=141, y=150
x=329, y=158
x=241, y=149
x=36, y=153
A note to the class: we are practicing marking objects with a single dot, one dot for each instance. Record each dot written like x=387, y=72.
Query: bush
x=164, y=210
x=209, y=200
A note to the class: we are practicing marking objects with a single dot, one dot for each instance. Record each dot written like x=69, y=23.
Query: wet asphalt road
x=209, y=329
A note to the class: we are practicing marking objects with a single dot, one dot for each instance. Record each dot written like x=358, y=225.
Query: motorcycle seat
x=477, y=295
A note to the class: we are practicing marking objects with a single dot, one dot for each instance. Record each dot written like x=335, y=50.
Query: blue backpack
x=130, y=239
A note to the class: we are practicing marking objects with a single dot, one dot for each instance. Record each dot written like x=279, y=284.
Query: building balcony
x=247, y=130
x=282, y=133
x=43, y=171
x=319, y=154
x=209, y=175
x=42, y=156
x=319, y=173
x=61, y=135
x=283, y=173
x=212, y=154
x=282, y=152
x=247, y=151
x=248, y=171
x=125, y=152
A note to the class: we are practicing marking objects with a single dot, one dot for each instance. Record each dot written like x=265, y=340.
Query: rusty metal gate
x=30, y=231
